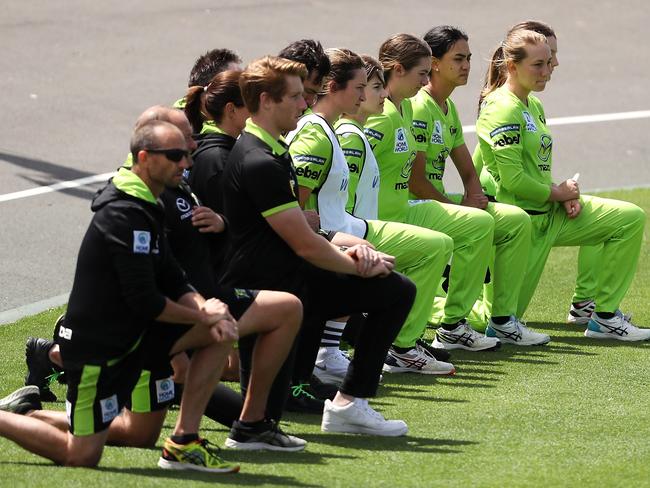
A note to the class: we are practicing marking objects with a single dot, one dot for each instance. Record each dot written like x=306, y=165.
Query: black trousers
x=386, y=301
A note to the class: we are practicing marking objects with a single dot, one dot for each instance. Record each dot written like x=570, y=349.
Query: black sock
x=605, y=315
x=401, y=350
x=185, y=438
x=449, y=326
x=501, y=319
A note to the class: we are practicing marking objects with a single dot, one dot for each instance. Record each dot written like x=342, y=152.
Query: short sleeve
x=270, y=183
x=311, y=152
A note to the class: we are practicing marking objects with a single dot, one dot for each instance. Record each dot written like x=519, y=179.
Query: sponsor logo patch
x=505, y=128
x=183, y=205
x=308, y=173
x=65, y=333
x=355, y=153
x=401, y=144
x=436, y=136
x=141, y=241
x=310, y=158
x=241, y=293
x=109, y=408
x=530, y=123
x=419, y=124
x=545, y=147
x=375, y=134
x=165, y=390
x=507, y=141
x=453, y=130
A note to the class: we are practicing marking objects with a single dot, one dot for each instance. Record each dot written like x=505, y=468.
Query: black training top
x=191, y=248
x=260, y=181
x=125, y=270
x=208, y=164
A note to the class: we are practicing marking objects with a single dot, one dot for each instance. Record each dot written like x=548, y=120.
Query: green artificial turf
x=573, y=413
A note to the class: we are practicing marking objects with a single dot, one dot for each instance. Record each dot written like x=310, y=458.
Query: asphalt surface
x=74, y=76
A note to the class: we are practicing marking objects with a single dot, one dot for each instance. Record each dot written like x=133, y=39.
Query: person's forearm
x=325, y=255
x=348, y=240
x=185, y=311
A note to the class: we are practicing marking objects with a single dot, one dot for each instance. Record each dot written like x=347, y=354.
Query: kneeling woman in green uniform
x=323, y=185
x=439, y=134
x=517, y=150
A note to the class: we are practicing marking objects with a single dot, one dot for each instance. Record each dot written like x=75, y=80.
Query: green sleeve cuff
x=280, y=208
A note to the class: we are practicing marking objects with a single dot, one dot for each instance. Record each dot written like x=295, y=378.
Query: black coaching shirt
x=260, y=181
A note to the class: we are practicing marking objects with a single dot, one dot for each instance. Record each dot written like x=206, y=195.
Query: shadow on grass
x=243, y=479
x=390, y=444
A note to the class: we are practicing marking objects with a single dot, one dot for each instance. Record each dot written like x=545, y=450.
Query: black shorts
x=98, y=392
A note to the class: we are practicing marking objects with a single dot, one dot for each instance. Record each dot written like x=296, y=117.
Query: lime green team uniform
x=588, y=256
x=437, y=134
x=419, y=254
x=393, y=143
x=516, y=147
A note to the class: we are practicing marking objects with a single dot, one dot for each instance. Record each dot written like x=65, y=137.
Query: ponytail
x=193, y=106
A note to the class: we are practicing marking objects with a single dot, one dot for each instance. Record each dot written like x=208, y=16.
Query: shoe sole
x=358, y=429
x=260, y=446
x=398, y=369
x=22, y=392
x=176, y=466
x=446, y=346
x=602, y=335
x=577, y=320
x=519, y=343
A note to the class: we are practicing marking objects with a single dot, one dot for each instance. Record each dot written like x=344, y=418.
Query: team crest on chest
x=530, y=123
x=545, y=147
x=401, y=144
x=436, y=136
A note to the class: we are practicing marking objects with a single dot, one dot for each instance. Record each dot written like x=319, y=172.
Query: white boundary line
x=62, y=185
x=584, y=119
x=468, y=129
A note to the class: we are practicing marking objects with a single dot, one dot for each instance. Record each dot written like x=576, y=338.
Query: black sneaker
x=320, y=390
x=263, y=435
x=40, y=370
x=439, y=354
x=300, y=400
x=22, y=400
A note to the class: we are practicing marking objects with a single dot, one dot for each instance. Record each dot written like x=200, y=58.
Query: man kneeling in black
x=273, y=247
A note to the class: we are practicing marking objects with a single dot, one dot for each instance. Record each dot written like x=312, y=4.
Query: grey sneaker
x=22, y=400
x=262, y=436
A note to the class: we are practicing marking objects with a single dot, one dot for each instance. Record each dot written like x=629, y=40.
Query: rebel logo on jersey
x=308, y=173
x=507, y=141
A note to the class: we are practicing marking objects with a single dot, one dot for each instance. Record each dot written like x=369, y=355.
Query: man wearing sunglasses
x=126, y=278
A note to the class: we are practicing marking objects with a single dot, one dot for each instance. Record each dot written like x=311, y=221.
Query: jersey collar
x=210, y=127
x=131, y=184
x=277, y=146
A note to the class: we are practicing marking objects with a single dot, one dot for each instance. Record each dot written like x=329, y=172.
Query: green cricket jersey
x=436, y=134
x=321, y=167
x=363, y=189
x=391, y=137
x=517, y=149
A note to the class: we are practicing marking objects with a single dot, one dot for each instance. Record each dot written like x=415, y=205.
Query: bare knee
x=83, y=460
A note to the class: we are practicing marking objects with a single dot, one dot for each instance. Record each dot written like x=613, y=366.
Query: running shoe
x=416, y=360
x=439, y=354
x=40, y=370
x=331, y=365
x=358, y=417
x=200, y=455
x=21, y=401
x=580, y=314
x=464, y=337
x=515, y=332
x=302, y=401
x=262, y=436
x=619, y=327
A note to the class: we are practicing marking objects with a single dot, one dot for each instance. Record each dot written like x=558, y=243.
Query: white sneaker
x=359, y=418
x=515, y=332
x=581, y=315
x=619, y=327
x=464, y=337
x=331, y=365
x=416, y=360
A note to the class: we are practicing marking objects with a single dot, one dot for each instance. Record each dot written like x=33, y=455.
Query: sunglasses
x=174, y=155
